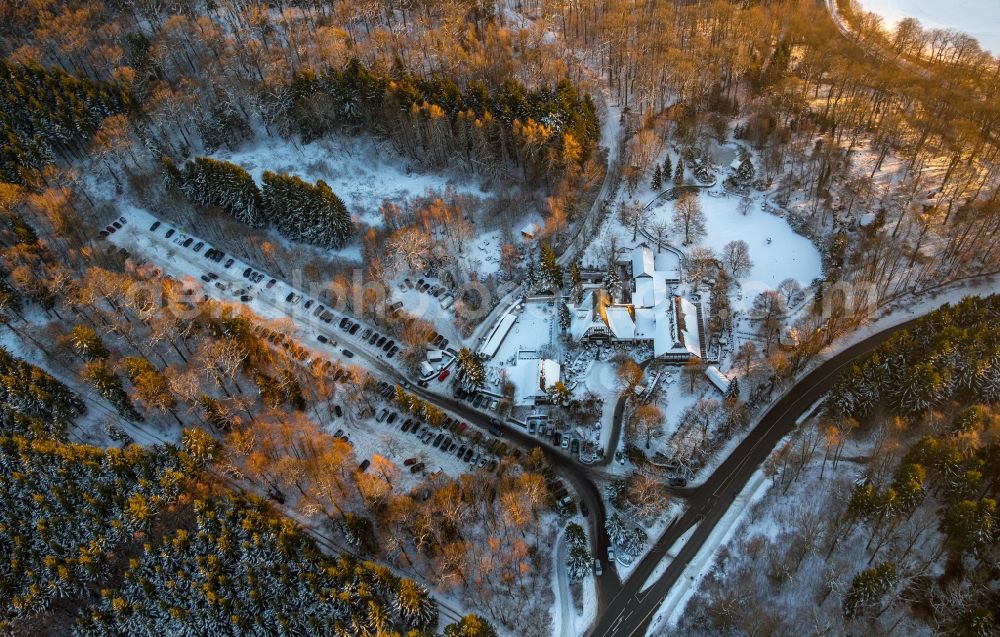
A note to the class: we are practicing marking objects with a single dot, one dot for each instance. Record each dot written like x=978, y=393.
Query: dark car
x=326, y=317
x=291, y=295
x=103, y=233
x=409, y=462
x=574, y=446
x=584, y=511
x=380, y=342
x=364, y=464
x=348, y=353
x=156, y=224
x=392, y=418
x=170, y=233
x=246, y=298
x=246, y=273
x=344, y=322
x=319, y=310
x=198, y=246
x=229, y=263
x=354, y=329
x=468, y=455
x=417, y=467
x=117, y=224
x=187, y=242
x=373, y=338
x=406, y=425
x=496, y=431
x=437, y=440
x=322, y=339
x=270, y=284
x=388, y=345
x=337, y=410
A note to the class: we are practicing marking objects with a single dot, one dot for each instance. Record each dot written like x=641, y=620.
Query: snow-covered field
x=776, y=250
x=362, y=172
x=978, y=18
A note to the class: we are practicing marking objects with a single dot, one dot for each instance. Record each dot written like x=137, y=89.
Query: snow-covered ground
x=687, y=584
x=776, y=250
x=978, y=18
x=363, y=172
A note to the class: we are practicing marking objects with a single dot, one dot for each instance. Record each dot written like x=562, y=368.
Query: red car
x=462, y=427
x=443, y=375
x=409, y=461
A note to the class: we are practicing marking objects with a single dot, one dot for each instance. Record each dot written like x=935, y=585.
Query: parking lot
x=228, y=279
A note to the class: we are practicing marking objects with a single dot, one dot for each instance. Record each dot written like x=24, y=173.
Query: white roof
x=718, y=378
x=529, y=229
x=500, y=330
x=425, y=368
x=435, y=355
x=677, y=329
x=645, y=323
x=526, y=375
x=642, y=261
x=650, y=291
x=620, y=322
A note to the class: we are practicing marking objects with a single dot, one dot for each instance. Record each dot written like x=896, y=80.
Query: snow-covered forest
x=423, y=318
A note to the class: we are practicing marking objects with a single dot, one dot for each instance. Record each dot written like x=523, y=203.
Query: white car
x=598, y=569
x=611, y=555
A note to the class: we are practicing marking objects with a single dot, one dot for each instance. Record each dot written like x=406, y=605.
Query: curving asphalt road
x=631, y=610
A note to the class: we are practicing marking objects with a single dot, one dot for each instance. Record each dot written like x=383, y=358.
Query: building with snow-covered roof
x=670, y=323
x=532, y=378
x=497, y=334
x=717, y=378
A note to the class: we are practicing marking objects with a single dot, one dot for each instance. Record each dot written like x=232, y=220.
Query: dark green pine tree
x=577, y=281
x=470, y=626
x=210, y=182
x=668, y=168
x=551, y=269
x=657, y=181
x=109, y=385
x=679, y=173
x=305, y=212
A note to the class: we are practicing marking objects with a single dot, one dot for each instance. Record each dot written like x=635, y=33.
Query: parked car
x=354, y=329
x=574, y=446
x=437, y=440
x=246, y=273
x=326, y=317
x=229, y=263
x=373, y=338
x=565, y=442
x=187, y=242
x=468, y=454
x=409, y=462
x=366, y=333
x=270, y=284
x=443, y=375
x=307, y=304
x=380, y=342
x=170, y=233
x=382, y=415
x=245, y=298
x=584, y=510
x=364, y=465
x=417, y=468
x=322, y=339
x=392, y=418
x=598, y=569
x=337, y=410
x=152, y=228
x=347, y=353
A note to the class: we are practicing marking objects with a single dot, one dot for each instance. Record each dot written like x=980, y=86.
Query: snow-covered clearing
x=362, y=171
x=978, y=18
x=776, y=250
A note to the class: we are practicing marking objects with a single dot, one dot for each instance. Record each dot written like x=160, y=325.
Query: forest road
x=628, y=614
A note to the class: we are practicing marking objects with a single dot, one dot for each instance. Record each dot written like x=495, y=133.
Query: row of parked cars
x=370, y=336
x=440, y=439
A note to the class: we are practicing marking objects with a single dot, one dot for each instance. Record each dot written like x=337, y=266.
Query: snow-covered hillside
x=978, y=18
